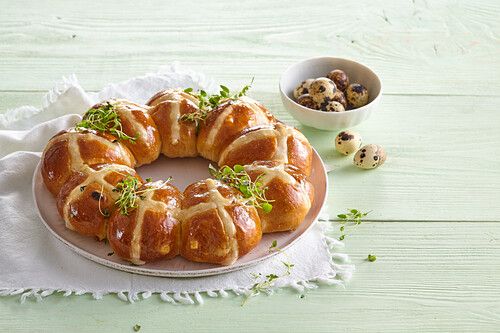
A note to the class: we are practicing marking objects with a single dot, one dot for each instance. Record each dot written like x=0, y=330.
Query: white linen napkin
x=33, y=263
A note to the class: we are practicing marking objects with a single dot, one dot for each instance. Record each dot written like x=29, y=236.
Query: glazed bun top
x=226, y=121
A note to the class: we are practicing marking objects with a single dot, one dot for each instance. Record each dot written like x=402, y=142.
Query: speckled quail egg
x=322, y=90
x=340, y=97
x=356, y=95
x=307, y=101
x=302, y=88
x=369, y=157
x=340, y=78
x=348, y=142
x=332, y=106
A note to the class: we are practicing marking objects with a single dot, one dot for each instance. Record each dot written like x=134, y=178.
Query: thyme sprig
x=239, y=179
x=353, y=215
x=128, y=188
x=263, y=282
x=105, y=119
x=206, y=102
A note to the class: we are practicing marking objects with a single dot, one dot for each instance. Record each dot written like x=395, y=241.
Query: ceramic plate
x=185, y=171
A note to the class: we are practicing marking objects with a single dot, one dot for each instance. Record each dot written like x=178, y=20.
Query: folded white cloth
x=34, y=263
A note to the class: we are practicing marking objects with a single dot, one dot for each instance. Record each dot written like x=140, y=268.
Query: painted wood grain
x=417, y=47
x=421, y=281
x=438, y=122
x=443, y=158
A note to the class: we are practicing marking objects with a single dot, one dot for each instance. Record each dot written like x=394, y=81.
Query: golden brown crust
x=299, y=153
x=152, y=231
x=291, y=191
x=136, y=121
x=55, y=167
x=226, y=121
x=248, y=230
x=178, y=137
x=121, y=233
x=86, y=200
x=278, y=142
x=216, y=226
x=70, y=149
x=204, y=239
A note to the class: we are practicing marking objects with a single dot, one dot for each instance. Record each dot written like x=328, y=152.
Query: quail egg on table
x=302, y=88
x=348, y=142
x=307, y=101
x=340, y=78
x=322, y=90
x=356, y=95
x=332, y=106
x=370, y=157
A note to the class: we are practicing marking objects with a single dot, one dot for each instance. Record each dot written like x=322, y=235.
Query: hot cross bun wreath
x=90, y=167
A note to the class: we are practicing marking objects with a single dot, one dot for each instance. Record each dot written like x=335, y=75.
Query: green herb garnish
x=264, y=282
x=206, y=102
x=372, y=258
x=128, y=194
x=105, y=119
x=104, y=212
x=128, y=188
x=137, y=328
x=239, y=179
x=353, y=215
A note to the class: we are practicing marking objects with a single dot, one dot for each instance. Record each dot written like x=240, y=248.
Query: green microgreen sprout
x=354, y=215
x=128, y=188
x=263, y=282
x=206, y=102
x=372, y=258
x=105, y=119
x=137, y=328
x=239, y=179
x=104, y=212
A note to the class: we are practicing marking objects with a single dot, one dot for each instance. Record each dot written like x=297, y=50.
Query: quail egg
x=340, y=97
x=356, y=95
x=322, y=90
x=370, y=157
x=348, y=142
x=340, y=78
x=307, y=101
x=302, y=88
x=332, y=106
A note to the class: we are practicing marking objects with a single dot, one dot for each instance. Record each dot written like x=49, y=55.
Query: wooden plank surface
x=434, y=221
x=418, y=47
x=422, y=280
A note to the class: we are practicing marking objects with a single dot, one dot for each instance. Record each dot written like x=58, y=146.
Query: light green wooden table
x=435, y=225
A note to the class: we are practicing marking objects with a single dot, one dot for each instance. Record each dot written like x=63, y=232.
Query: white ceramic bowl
x=320, y=67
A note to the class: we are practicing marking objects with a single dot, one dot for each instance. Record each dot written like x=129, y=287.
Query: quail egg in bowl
x=320, y=109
